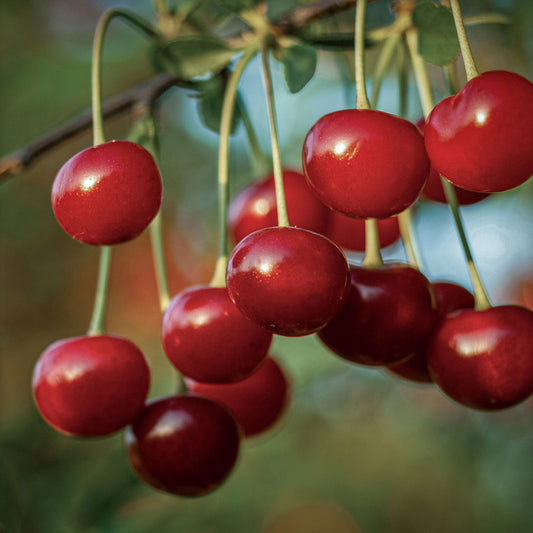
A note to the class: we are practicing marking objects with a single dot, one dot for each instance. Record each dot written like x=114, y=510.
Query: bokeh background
x=358, y=449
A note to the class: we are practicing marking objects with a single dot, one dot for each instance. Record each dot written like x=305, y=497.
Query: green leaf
x=237, y=5
x=210, y=97
x=299, y=64
x=190, y=56
x=437, y=37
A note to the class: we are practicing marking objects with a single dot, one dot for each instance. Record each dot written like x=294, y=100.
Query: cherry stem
x=372, y=256
x=259, y=160
x=96, y=73
x=361, y=98
x=96, y=327
x=382, y=64
x=281, y=205
x=228, y=106
x=466, y=52
x=409, y=241
x=426, y=97
x=403, y=79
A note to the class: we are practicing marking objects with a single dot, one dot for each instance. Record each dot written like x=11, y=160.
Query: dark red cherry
x=365, y=163
x=484, y=359
x=254, y=207
x=256, y=402
x=450, y=297
x=208, y=339
x=107, y=194
x=388, y=316
x=90, y=386
x=481, y=138
x=185, y=445
x=433, y=188
x=349, y=232
x=288, y=280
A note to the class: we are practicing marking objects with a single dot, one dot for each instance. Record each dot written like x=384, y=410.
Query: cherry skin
x=388, y=316
x=349, y=233
x=107, y=194
x=433, y=189
x=256, y=402
x=254, y=207
x=208, y=339
x=365, y=163
x=288, y=280
x=484, y=359
x=450, y=297
x=481, y=138
x=90, y=386
x=185, y=444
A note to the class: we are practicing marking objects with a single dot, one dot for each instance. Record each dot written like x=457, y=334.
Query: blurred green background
x=358, y=450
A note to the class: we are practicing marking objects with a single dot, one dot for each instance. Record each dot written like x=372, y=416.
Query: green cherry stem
x=466, y=52
x=410, y=244
x=426, y=97
x=96, y=327
x=228, y=106
x=96, y=73
x=281, y=205
x=361, y=97
x=402, y=65
x=372, y=256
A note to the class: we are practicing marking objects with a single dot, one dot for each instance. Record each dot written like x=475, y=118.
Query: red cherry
x=450, y=297
x=208, y=339
x=433, y=188
x=387, y=317
x=254, y=207
x=107, y=194
x=257, y=402
x=90, y=386
x=481, y=138
x=349, y=232
x=289, y=280
x=185, y=445
x=484, y=359
x=365, y=163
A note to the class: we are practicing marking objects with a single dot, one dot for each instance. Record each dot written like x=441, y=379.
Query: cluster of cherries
x=294, y=281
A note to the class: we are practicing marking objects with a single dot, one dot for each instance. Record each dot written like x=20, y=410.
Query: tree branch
x=146, y=93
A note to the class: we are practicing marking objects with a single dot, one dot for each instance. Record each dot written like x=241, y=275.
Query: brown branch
x=146, y=93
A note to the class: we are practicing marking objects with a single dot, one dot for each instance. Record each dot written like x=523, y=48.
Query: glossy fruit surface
x=256, y=402
x=433, y=189
x=208, y=339
x=484, y=359
x=349, y=232
x=387, y=317
x=185, y=444
x=481, y=138
x=90, y=386
x=288, y=280
x=365, y=163
x=450, y=297
x=254, y=207
x=107, y=194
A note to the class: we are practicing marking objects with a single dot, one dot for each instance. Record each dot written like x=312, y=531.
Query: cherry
x=208, y=339
x=481, y=138
x=387, y=316
x=349, y=232
x=254, y=207
x=450, y=297
x=107, y=194
x=256, y=402
x=185, y=444
x=289, y=280
x=90, y=386
x=433, y=188
x=484, y=359
x=365, y=163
